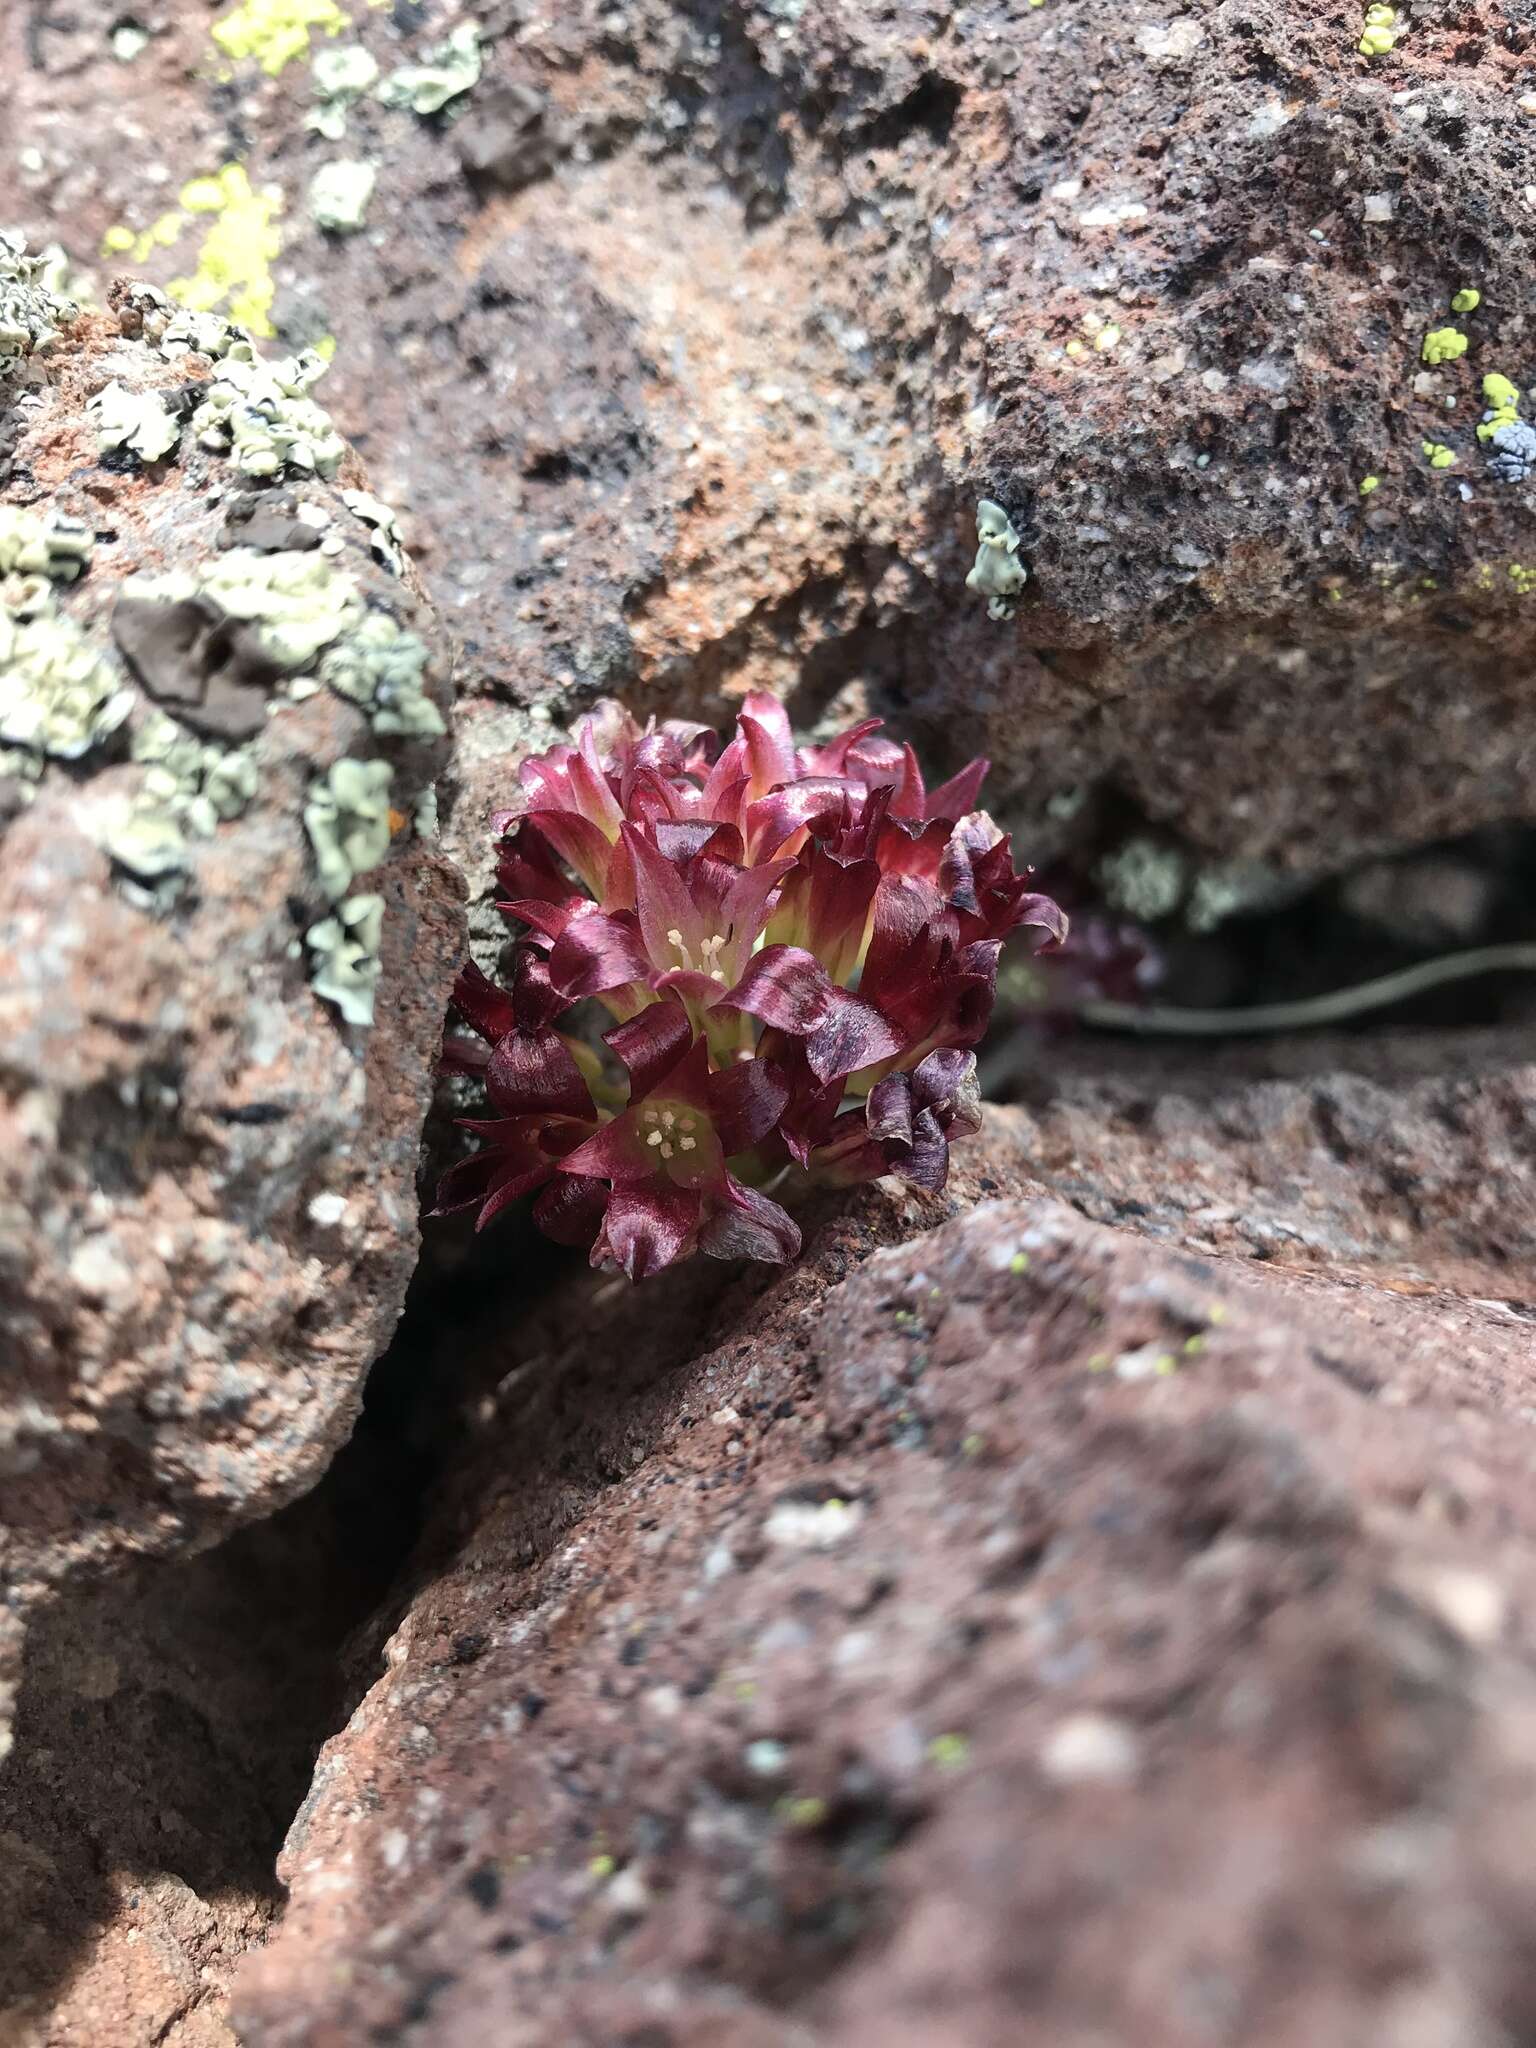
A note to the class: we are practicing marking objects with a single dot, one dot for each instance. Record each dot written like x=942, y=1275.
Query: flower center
x=708, y=961
x=669, y=1131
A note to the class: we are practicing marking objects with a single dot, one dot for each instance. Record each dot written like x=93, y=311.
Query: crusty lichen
x=347, y=817
x=1381, y=31
x=346, y=947
x=997, y=574
x=275, y=32
x=341, y=76
x=51, y=545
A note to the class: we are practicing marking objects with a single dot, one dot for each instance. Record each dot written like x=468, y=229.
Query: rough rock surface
x=1034, y=1632
x=691, y=339
x=207, y=1176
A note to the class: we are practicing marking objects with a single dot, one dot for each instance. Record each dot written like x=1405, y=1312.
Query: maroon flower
x=799, y=947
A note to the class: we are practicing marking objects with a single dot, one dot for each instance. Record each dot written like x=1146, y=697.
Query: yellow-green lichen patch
x=1438, y=455
x=1443, y=345
x=1381, y=31
x=234, y=263
x=1467, y=300
x=1369, y=484
x=273, y=32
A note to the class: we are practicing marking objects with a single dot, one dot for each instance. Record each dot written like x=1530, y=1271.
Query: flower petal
x=750, y=1225
x=953, y=799
x=783, y=986
x=571, y=1208
x=483, y=1006
x=648, y=1228
x=534, y=1070
x=616, y=1152
x=596, y=953
x=852, y=1034
x=746, y=1100
x=662, y=903
x=651, y=1044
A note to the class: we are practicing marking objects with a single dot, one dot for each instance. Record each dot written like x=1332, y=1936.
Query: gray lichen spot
x=339, y=194
x=385, y=540
x=997, y=573
x=31, y=315
x=1512, y=452
x=347, y=819
x=448, y=70
x=341, y=75
x=346, y=948
x=1143, y=879
x=382, y=667
x=138, y=420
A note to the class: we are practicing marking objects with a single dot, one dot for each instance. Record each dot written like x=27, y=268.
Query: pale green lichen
x=1467, y=300
x=59, y=694
x=347, y=817
x=260, y=414
x=997, y=574
x=346, y=948
x=1438, y=455
x=188, y=790
x=383, y=668
x=339, y=194
x=54, y=546
x=1444, y=345
x=295, y=598
x=136, y=420
x=341, y=76
x=447, y=71
x=31, y=315
x=1369, y=484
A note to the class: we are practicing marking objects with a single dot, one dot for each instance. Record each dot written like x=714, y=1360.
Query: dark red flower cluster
x=798, y=947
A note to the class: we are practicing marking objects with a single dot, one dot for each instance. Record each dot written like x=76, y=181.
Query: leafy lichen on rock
x=347, y=817
x=32, y=316
x=346, y=948
x=997, y=573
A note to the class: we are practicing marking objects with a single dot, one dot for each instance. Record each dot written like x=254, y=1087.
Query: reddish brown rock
x=707, y=400
x=1033, y=1632
x=207, y=1173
